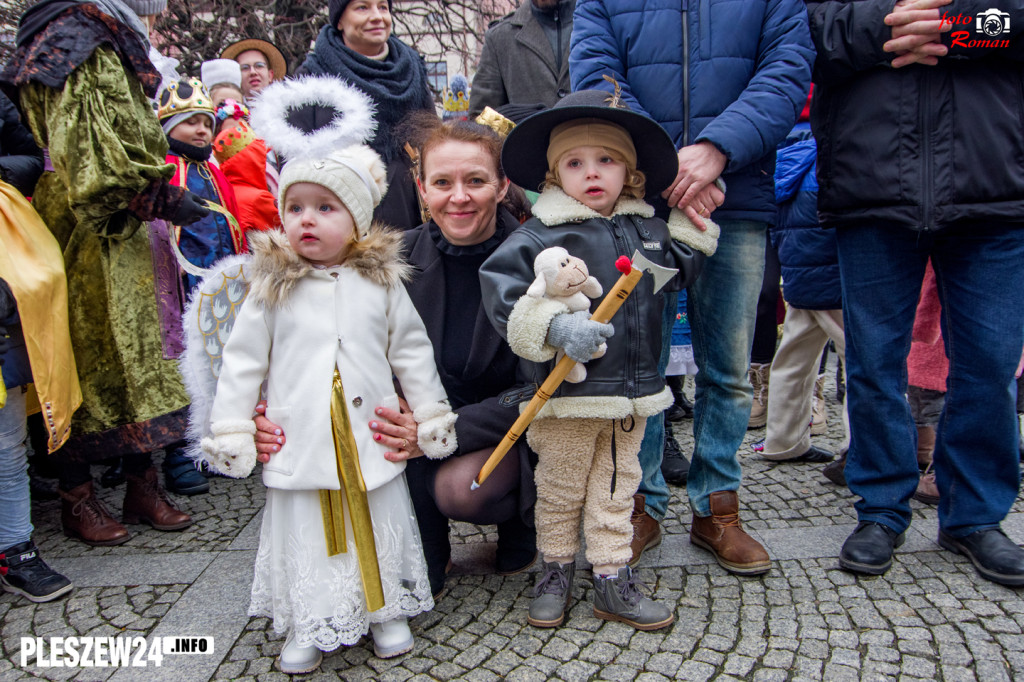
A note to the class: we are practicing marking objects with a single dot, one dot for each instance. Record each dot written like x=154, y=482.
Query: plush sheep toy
x=565, y=278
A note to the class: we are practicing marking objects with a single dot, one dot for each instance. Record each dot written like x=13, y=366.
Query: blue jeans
x=15, y=508
x=652, y=448
x=723, y=304
x=981, y=288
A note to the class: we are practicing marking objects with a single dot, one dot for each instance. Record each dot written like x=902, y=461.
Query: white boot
x=392, y=638
x=295, y=659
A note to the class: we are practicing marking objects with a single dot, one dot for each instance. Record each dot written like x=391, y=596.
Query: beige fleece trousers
x=574, y=476
x=794, y=370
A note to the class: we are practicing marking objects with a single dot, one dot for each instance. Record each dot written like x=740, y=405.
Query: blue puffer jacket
x=733, y=72
x=807, y=252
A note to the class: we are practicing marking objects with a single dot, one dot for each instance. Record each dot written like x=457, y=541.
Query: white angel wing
x=208, y=320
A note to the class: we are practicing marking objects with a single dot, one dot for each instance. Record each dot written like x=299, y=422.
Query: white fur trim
x=527, y=328
x=435, y=432
x=229, y=426
x=430, y=411
x=555, y=207
x=683, y=230
x=269, y=117
x=605, y=407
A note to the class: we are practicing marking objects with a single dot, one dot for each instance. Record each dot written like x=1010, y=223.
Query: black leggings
x=441, y=489
x=766, y=326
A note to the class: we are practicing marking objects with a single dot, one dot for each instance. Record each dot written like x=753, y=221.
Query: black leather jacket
x=629, y=369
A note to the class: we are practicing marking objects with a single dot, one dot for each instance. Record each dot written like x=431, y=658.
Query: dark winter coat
x=491, y=366
x=517, y=64
x=922, y=147
x=732, y=72
x=21, y=161
x=625, y=380
x=807, y=251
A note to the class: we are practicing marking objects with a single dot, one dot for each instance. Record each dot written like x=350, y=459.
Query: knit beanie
x=218, y=71
x=590, y=132
x=146, y=7
x=335, y=8
x=356, y=175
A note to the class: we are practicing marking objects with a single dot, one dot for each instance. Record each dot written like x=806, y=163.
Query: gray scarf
x=124, y=14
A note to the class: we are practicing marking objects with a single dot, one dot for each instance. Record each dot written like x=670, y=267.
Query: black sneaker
x=674, y=465
x=23, y=572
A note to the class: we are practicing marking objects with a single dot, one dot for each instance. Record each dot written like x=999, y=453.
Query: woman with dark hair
x=461, y=182
x=357, y=45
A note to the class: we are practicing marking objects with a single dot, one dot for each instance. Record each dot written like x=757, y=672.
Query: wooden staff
x=631, y=273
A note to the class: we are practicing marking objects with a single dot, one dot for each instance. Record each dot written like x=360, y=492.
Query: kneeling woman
x=461, y=182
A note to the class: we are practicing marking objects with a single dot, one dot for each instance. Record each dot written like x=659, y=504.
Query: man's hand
x=917, y=28
x=699, y=166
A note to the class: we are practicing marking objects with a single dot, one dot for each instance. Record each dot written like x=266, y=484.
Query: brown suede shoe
x=927, y=490
x=145, y=501
x=646, y=530
x=722, y=535
x=86, y=518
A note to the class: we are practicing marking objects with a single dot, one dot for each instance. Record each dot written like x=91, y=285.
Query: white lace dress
x=320, y=597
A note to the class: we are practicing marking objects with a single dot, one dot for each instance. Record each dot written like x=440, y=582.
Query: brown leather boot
x=86, y=518
x=146, y=501
x=646, y=530
x=722, y=535
x=925, y=446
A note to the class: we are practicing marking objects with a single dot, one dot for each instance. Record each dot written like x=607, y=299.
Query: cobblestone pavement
x=930, y=617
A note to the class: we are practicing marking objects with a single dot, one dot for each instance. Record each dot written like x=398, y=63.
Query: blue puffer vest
x=733, y=72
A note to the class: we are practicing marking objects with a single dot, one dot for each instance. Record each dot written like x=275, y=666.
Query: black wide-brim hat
x=524, y=158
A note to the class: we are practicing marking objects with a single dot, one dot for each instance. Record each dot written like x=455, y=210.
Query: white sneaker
x=295, y=659
x=392, y=638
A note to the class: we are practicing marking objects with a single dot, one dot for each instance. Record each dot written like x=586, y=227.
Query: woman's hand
x=269, y=436
x=400, y=434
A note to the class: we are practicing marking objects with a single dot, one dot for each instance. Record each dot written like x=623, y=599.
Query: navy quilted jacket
x=807, y=252
x=733, y=72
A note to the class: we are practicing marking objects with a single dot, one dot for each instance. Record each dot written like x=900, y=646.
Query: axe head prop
x=659, y=273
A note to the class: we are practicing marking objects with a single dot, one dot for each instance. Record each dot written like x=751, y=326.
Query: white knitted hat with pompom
x=356, y=175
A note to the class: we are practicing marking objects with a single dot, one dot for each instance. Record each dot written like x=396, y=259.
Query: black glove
x=191, y=209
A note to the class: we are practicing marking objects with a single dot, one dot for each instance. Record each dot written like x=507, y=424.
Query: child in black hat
x=599, y=158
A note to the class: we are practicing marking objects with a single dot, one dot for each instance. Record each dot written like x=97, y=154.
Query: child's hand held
x=231, y=450
x=578, y=335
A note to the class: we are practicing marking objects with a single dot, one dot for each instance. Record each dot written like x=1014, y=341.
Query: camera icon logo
x=992, y=22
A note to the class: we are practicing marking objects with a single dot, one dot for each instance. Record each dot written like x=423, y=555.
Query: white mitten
x=232, y=450
x=436, y=430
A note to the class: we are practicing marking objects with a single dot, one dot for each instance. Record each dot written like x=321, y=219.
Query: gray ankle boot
x=619, y=598
x=552, y=595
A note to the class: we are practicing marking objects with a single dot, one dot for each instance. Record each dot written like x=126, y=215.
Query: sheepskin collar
x=555, y=207
x=276, y=268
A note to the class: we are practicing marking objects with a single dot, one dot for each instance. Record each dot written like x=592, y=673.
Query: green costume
x=101, y=132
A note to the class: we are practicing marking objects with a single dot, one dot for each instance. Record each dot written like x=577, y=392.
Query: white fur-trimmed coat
x=297, y=324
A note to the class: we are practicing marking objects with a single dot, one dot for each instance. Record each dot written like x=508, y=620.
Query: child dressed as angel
x=326, y=324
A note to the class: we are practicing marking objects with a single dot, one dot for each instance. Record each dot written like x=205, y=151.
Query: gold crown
x=230, y=142
x=184, y=96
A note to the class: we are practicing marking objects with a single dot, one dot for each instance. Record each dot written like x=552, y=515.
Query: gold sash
x=332, y=505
